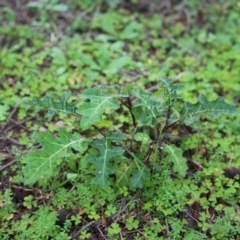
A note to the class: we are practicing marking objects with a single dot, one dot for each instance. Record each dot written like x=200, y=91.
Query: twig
x=11, y=140
x=25, y=189
x=101, y=232
x=86, y=226
x=20, y=125
x=132, y=115
x=169, y=126
x=188, y=19
x=10, y=116
x=167, y=228
x=188, y=212
x=200, y=167
x=7, y=165
x=129, y=106
x=101, y=132
x=123, y=209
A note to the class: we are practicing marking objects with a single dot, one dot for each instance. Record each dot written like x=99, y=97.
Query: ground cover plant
x=119, y=120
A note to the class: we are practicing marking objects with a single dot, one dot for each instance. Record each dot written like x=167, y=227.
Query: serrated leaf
x=139, y=177
x=97, y=100
x=174, y=155
x=147, y=107
x=48, y=103
x=42, y=163
x=191, y=112
x=141, y=173
x=106, y=152
x=170, y=90
x=170, y=95
x=124, y=172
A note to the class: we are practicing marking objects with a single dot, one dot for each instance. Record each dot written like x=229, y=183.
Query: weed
x=155, y=110
x=140, y=166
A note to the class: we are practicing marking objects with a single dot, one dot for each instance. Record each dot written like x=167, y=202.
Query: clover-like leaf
x=48, y=103
x=174, y=155
x=191, y=112
x=42, y=163
x=97, y=100
x=106, y=152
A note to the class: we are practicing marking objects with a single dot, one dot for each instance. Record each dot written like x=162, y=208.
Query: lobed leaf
x=42, y=163
x=139, y=177
x=97, y=100
x=174, y=155
x=191, y=112
x=171, y=89
x=48, y=103
x=124, y=172
x=141, y=173
x=147, y=107
x=106, y=152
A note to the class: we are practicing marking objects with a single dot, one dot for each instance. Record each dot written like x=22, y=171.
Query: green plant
x=223, y=227
x=114, y=229
x=132, y=224
x=7, y=207
x=45, y=8
x=40, y=226
x=84, y=234
x=110, y=210
x=155, y=112
x=153, y=228
x=76, y=219
x=28, y=202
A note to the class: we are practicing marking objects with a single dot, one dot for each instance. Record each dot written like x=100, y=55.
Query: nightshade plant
x=124, y=152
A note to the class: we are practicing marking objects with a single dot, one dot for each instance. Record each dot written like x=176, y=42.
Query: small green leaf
x=174, y=155
x=58, y=56
x=131, y=223
x=111, y=210
x=191, y=112
x=114, y=229
x=142, y=137
x=117, y=64
x=131, y=31
x=3, y=112
x=60, y=8
x=108, y=26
